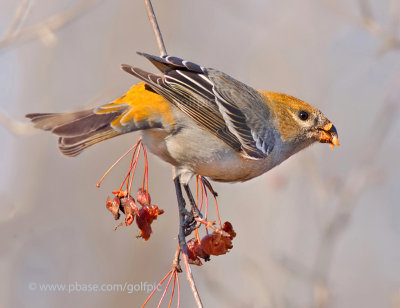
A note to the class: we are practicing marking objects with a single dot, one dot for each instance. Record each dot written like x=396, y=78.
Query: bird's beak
x=328, y=134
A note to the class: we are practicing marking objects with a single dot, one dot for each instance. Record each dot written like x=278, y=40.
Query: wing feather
x=215, y=101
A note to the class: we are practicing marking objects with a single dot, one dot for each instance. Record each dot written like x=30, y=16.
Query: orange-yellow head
x=298, y=122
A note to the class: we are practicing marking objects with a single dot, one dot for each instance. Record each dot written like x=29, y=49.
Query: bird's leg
x=183, y=249
x=183, y=214
x=193, y=223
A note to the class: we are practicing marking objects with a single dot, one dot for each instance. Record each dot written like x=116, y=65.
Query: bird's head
x=300, y=123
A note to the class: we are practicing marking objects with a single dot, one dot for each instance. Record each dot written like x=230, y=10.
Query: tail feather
x=51, y=121
x=86, y=125
x=72, y=146
x=77, y=130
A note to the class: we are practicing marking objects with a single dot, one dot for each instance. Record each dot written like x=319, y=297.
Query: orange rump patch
x=140, y=105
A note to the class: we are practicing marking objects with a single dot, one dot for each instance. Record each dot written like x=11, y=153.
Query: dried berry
x=216, y=244
x=195, y=252
x=227, y=227
x=143, y=197
x=113, y=207
x=130, y=209
x=192, y=254
x=144, y=219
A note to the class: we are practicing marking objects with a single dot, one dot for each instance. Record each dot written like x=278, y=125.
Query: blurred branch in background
x=20, y=15
x=359, y=178
x=43, y=31
x=344, y=193
x=14, y=126
x=357, y=181
x=388, y=36
x=364, y=171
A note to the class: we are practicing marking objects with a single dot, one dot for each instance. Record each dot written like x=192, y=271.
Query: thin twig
x=155, y=289
x=156, y=28
x=166, y=289
x=189, y=277
x=175, y=262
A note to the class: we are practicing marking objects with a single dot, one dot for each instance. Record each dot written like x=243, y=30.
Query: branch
x=156, y=28
x=189, y=277
x=181, y=236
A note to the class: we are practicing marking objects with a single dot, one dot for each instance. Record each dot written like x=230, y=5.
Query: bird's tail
x=77, y=130
x=140, y=108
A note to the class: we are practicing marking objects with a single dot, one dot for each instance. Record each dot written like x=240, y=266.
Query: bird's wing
x=244, y=111
x=224, y=106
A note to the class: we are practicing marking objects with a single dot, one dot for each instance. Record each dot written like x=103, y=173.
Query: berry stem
x=108, y=171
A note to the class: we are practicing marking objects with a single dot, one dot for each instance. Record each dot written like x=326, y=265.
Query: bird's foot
x=191, y=222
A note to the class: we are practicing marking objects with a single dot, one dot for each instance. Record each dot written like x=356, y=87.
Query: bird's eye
x=303, y=115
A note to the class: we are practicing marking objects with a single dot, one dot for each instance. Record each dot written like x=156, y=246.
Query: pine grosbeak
x=198, y=119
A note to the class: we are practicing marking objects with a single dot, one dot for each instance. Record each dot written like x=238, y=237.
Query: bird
x=198, y=119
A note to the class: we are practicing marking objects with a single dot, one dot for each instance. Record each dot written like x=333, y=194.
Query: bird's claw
x=191, y=222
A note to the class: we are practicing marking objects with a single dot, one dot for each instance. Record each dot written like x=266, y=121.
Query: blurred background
x=321, y=230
